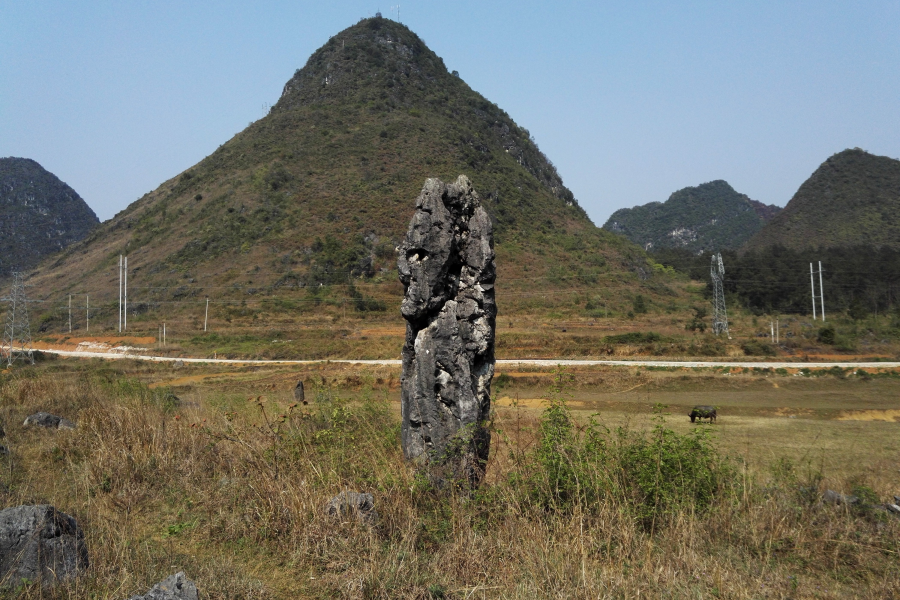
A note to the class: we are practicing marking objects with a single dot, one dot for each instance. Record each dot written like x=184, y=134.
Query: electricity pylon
x=17, y=336
x=720, y=318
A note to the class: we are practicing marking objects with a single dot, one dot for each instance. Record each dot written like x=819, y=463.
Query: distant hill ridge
x=39, y=214
x=708, y=217
x=320, y=191
x=852, y=199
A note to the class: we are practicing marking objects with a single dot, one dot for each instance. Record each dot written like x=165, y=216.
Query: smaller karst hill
x=852, y=199
x=39, y=214
x=708, y=217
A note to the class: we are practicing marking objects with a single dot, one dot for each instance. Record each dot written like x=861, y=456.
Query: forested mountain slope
x=39, y=214
x=852, y=199
x=705, y=218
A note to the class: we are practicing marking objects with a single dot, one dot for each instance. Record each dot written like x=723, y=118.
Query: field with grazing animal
x=598, y=484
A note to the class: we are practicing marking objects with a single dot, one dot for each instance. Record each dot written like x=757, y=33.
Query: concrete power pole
x=812, y=283
x=125, y=307
x=120, y=293
x=821, y=291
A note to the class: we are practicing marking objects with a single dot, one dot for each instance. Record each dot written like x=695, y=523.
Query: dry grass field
x=229, y=483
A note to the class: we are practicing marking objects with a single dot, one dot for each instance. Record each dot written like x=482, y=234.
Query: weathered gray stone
x=43, y=419
x=39, y=543
x=299, y=395
x=178, y=364
x=832, y=497
x=358, y=505
x=174, y=587
x=446, y=265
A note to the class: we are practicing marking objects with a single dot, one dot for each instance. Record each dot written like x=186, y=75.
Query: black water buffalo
x=703, y=412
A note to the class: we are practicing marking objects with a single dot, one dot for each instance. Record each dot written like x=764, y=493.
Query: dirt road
x=692, y=364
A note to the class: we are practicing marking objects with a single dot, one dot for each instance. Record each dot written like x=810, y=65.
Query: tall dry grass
x=231, y=489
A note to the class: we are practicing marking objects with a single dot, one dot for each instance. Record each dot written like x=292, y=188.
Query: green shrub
x=827, y=335
x=656, y=474
x=635, y=337
x=639, y=305
x=758, y=348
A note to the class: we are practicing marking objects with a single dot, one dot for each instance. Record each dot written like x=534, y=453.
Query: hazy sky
x=630, y=100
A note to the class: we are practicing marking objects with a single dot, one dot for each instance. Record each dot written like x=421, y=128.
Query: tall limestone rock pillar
x=447, y=268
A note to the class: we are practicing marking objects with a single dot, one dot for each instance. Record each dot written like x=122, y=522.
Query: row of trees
x=859, y=280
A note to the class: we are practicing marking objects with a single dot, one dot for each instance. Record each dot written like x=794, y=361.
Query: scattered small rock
x=43, y=419
x=299, y=395
x=174, y=587
x=359, y=505
x=178, y=364
x=39, y=543
x=894, y=508
x=832, y=497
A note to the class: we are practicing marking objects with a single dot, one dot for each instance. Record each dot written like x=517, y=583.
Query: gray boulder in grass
x=174, y=587
x=39, y=543
x=353, y=504
x=44, y=419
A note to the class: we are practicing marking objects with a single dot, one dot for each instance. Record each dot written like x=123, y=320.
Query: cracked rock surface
x=39, y=543
x=446, y=265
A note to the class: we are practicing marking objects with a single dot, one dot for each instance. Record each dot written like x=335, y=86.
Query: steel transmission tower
x=17, y=336
x=720, y=318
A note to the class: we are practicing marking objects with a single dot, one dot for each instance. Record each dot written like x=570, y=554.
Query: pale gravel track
x=532, y=362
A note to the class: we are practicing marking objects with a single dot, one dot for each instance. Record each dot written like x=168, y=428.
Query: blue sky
x=630, y=100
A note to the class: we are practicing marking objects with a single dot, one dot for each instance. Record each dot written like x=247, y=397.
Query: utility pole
x=772, y=331
x=125, y=306
x=812, y=283
x=70, y=313
x=164, y=334
x=777, y=339
x=120, y=293
x=822, y=291
x=18, y=326
x=206, y=316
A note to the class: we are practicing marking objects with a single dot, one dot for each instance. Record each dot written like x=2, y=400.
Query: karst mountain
x=39, y=214
x=852, y=199
x=704, y=218
x=321, y=190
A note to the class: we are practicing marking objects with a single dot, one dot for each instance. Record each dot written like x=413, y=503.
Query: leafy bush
x=635, y=337
x=639, y=305
x=827, y=335
x=758, y=348
x=655, y=474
